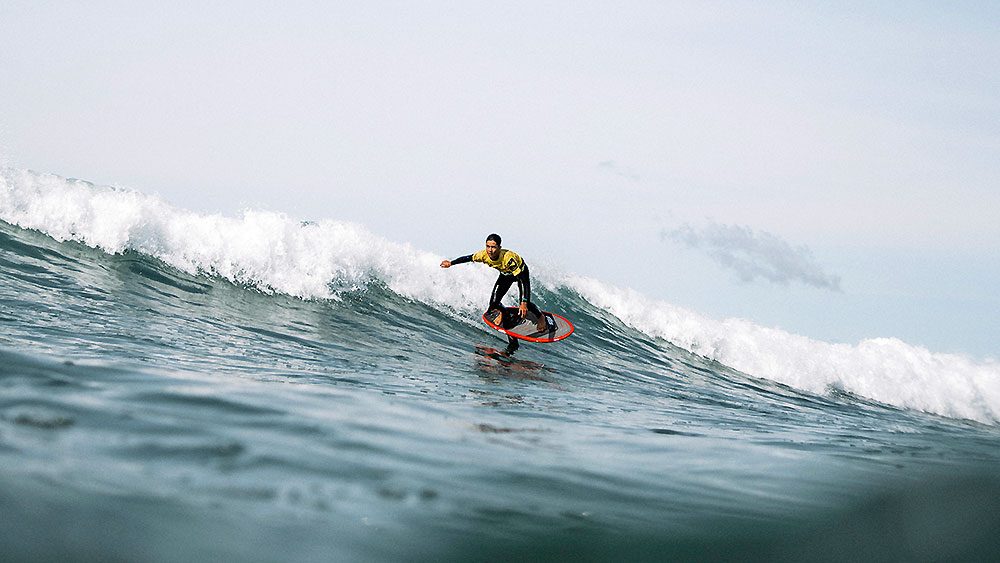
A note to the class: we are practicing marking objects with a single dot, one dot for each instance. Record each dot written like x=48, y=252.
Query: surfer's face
x=493, y=249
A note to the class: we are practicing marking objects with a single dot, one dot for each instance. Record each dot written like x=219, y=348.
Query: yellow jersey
x=508, y=262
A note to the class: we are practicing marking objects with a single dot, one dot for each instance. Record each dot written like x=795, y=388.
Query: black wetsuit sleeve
x=462, y=259
x=524, y=285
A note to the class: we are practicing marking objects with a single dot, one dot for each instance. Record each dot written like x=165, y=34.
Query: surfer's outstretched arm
x=456, y=261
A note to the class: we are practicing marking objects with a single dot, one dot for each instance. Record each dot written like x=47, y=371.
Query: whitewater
x=177, y=385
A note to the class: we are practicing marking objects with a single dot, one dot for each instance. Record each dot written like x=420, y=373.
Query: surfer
x=512, y=268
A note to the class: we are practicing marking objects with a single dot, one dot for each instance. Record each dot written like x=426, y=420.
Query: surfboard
x=511, y=323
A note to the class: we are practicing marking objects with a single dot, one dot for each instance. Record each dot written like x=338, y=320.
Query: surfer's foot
x=511, y=346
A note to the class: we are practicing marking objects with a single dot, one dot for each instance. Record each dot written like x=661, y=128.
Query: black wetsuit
x=503, y=284
x=500, y=288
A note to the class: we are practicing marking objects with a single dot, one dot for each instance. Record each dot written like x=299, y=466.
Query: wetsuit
x=512, y=268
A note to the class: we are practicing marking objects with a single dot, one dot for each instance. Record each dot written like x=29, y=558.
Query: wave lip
x=887, y=370
x=265, y=250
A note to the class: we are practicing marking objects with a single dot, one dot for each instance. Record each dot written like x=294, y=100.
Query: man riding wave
x=512, y=269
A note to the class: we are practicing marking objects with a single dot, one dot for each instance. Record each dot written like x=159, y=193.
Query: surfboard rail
x=559, y=327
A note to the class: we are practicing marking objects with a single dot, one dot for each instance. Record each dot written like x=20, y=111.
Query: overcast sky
x=829, y=167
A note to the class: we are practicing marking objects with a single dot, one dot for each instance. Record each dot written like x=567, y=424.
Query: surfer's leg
x=499, y=290
x=511, y=344
x=540, y=323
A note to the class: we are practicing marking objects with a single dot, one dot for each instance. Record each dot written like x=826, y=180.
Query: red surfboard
x=511, y=323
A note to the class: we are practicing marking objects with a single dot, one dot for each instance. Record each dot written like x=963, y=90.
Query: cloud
x=618, y=170
x=755, y=254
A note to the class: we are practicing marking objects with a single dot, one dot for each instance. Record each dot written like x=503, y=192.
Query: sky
x=828, y=168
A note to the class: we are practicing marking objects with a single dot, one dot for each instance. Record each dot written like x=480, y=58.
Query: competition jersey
x=508, y=262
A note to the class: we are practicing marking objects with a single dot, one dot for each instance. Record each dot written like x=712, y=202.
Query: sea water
x=177, y=386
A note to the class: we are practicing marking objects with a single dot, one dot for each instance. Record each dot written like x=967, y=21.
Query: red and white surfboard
x=511, y=323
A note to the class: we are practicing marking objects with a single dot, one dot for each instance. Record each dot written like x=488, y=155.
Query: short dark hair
x=494, y=237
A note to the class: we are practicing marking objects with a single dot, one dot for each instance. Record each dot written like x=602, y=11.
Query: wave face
x=177, y=386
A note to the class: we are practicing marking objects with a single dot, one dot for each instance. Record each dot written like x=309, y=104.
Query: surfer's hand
x=522, y=309
x=446, y=263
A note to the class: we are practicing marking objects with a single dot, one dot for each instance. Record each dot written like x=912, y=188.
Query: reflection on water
x=496, y=364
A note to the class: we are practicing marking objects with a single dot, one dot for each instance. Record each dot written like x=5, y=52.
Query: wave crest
x=887, y=370
x=266, y=250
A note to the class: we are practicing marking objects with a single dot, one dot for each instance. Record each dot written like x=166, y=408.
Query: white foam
x=884, y=369
x=266, y=250
x=276, y=253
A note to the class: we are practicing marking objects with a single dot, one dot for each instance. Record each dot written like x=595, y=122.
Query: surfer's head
x=493, y=246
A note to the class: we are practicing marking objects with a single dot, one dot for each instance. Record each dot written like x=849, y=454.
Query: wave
x=887, y=370
x=266, y=250
x=274, y=253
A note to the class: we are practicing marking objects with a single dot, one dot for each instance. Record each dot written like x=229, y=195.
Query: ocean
x=178, y=386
